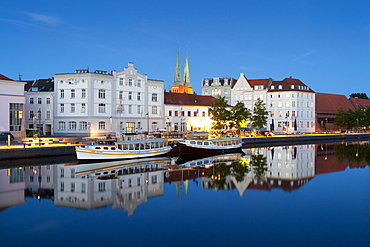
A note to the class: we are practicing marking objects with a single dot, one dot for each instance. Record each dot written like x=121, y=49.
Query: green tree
x=220, y=114
x=359, y=95
x=259, y=166
x=259, y=117
x=239, y=113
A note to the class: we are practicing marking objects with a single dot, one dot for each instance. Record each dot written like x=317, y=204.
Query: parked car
x=4, y=136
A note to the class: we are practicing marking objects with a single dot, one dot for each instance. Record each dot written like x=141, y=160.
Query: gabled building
x=40, y=110
x=182, y=86
x=101, y=103
x=12, y=106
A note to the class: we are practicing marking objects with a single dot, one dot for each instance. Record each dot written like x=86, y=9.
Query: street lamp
x=39, y=117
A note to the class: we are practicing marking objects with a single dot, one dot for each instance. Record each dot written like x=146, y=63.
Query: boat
x=190, y=149
x=113, y=169
x=131, y=148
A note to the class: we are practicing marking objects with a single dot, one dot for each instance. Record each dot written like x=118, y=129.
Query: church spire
x=177, y=79
x=186, y=72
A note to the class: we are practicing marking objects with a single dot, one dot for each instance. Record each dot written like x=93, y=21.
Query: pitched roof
x=360, y=103
x=331, y=103
x=254, y=82
x=43, y=85
x=290, y=84
x=187, y=99
x=4, y=78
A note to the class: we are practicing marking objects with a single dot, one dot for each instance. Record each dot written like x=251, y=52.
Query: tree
x=259, y=166
x=344, y=118
x=259, y=117
x=220, y=115
x=359, y=95
x=239, y=113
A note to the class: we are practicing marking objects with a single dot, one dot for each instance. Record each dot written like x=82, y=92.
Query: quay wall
x=19, y=153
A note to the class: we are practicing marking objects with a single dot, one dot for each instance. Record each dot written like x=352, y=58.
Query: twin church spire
x=182, y=86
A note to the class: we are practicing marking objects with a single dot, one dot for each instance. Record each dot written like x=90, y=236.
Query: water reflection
x=126, y=185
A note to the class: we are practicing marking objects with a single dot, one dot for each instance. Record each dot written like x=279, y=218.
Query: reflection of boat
x=211, y=160
x=127, y=149
x=200, y=148
x=113, y=169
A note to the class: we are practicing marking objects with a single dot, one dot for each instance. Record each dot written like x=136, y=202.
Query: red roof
x=4, y=78
x=360, y=103
x=328, y=164
x=254, y=82
x=331, y=103
x=287, y=83
x=187, y=99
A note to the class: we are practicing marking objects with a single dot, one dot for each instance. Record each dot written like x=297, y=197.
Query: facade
x=101, y=103
x=218, y=87
x=40, y=101
x=12, y=106
x=187, y=112
x=290, y=103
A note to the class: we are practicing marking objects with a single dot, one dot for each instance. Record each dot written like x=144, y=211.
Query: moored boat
x=126, y=149
x=189, y=149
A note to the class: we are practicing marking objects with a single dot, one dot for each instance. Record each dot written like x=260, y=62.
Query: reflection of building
x=12, y=186
x=40, y=181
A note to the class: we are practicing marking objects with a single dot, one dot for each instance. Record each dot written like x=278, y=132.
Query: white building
x=100, y=103
x=218, y=87
x=188, y=112
x=290, y=103
x=39, y=101
x=12, y=104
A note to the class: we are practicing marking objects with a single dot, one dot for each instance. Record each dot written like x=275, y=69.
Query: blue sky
x=326, y=44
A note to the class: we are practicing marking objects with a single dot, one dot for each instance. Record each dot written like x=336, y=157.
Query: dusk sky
x=325, y=44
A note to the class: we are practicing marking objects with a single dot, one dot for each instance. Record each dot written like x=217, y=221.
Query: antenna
x=19, y=77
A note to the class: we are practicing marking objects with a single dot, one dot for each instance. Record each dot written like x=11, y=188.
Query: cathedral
x=182, y=86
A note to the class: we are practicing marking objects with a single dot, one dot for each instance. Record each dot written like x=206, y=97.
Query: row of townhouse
x=290, y=103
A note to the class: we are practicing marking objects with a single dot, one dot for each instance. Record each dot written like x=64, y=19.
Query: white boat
x=128, y=149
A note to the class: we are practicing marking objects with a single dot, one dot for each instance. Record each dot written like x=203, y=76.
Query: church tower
x=184, y=86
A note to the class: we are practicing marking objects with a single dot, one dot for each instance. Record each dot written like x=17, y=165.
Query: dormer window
x=292, y=86
x=272, y=87
x=280, y=87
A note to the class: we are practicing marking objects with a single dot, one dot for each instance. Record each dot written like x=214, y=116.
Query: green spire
x=186, y=72
x=177, y=80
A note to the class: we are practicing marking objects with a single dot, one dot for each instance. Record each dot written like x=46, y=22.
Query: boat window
x=206, y=162
x=112, y=148
x=199, y=143
x=97, y=148
x=105, y=148
x=192, y=142
x=199, y=163
x=206, y=143
x=192, y=163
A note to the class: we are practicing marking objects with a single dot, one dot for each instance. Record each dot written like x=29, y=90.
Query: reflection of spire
x=177, y=79
x=186, y=72
x=186, y=185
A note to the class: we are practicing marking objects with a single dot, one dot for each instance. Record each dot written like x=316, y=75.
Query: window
x=139, y=83
x=121, y=81
x=39, y=101
x=101, y=94
x=83, y=107
x=62, y=186
x=189, y=113
x=139, y=109
x=130, y=82
x=279, y=114
x=272, y=87
x=62, y=94
x=176, y=113
x=61, y=125
x=101, y=186
x=130, y=109
x=120, y=95
x=101, y=108
x=48, y=114
x=280, y=87
x=203, y=114
x=280, y=104
x=287, y=103
x=154, y=125
x=293, y=103
x=62, y=172
x=72, y=125
x=31, y=101
x=272, y=114
x=83, y=125
x=73, y=108
x=130, y=127
x=154, y=110
x=129, y=95
x=139, y=96
x=31, y=114
x=83, y=187
x=102, y=125
x=83, y=93
x=154, y=97
x=61, y=108
x=48, y=101
x=73, y=187
x=154, y=179
x=48, y=179
x=73, y=93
